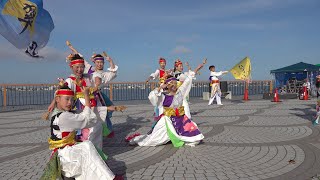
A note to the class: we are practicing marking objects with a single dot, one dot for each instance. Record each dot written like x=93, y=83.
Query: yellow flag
x=242, y=70
x=25, y=11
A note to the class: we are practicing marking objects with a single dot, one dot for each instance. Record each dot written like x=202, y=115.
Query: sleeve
x=69, y=121
x=115, y=69
x=186, y=85
x=191, y=74
x=155, y=74
x=110, y=75
x=87, y=67
x=70, y=84
x=216, y=73
x=155, y=97
x=101, y=112
x=96, y=74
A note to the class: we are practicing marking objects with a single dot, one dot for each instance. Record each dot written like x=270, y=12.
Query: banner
x=242, y=70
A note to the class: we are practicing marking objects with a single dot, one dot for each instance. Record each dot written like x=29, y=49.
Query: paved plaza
x=257, y=139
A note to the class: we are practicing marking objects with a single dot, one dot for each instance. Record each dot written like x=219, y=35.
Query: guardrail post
x=110, y=92
x=4, y=96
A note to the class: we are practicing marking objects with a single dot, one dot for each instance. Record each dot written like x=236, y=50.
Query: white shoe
x=219, y=104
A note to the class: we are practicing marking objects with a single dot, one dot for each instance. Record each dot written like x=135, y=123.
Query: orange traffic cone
x=305, y=93
x=276, y=96
x=246, y=95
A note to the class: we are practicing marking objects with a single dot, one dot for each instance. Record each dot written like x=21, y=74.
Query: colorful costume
x=215, y=87
x=173, y=125
x=94, y=134
x=105, y=78
x=181, y=77
x=77, y=160
x=159, y=73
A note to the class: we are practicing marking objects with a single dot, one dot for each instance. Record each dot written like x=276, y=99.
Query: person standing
x=215, y=85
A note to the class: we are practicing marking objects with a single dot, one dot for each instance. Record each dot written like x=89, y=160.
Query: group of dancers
x=80, y=115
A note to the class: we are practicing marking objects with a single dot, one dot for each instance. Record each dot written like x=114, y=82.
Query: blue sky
x=273, y=33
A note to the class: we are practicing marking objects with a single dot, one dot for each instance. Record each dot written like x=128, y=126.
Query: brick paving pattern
x=243, y=140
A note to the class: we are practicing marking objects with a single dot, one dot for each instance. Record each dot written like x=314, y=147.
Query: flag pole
x=246, y=91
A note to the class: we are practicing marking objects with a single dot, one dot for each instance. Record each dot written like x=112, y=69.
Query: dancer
x=100, y=78
x=159, y=73
x=181, y=76
x=77, y=80
x=173, y=125
x=70, y=159
x=215, y=85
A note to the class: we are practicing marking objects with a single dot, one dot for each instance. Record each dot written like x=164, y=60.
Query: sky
x=272, y=33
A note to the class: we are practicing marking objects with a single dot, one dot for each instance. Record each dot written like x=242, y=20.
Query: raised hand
x=71, y=47
x=204, y=61
x=85, y=90
x=187, y=64
x=68, y=43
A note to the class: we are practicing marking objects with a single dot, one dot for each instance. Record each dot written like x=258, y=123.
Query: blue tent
x=299, y=71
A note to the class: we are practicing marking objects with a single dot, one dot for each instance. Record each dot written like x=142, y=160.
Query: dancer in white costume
x=75, y=81
x=99, y=79
x=80, y=161
x=215, y=85
x=181, y=76
x=173, y=125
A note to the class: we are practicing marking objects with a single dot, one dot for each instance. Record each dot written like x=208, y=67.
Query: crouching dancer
x=70, y=159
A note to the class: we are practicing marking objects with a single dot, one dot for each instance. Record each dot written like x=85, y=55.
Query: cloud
x=9, y=52
x=181, y=50
x=188, y=39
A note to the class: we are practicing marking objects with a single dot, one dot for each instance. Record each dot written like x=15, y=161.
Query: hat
x=162, y=60
x=64, y=92
x=177, y=63
x=97, y=57
x=75, y=59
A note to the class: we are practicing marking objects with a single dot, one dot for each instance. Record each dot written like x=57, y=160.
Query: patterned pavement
x=257, y=139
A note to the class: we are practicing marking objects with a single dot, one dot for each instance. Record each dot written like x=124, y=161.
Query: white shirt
x=215, y=75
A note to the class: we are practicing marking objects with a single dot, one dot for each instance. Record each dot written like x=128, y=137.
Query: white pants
x=83, y=162
x=216, y=95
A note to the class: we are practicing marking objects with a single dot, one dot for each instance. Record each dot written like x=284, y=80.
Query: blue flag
x=25, y=24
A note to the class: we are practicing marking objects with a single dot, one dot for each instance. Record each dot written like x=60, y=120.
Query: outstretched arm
x=112, y=71
x=88, y=66
x=71, y=47
x=153, y=75
x=187, y=64
x=108, y=58
x=200, y=66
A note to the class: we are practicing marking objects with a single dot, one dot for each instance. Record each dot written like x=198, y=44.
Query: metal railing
x=42, y=94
